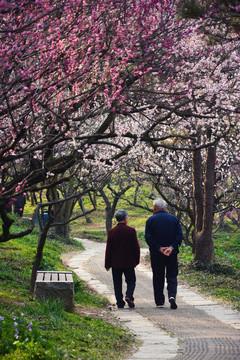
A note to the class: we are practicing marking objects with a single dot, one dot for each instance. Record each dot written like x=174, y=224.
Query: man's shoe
x=160, y=306
x=173, y=304
x=130, y=302
x=121, y=304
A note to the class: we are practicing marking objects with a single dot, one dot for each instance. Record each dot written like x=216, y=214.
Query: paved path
x=200, y=329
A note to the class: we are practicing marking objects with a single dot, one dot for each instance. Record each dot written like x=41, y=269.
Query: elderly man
x=122, y=255
x=163, y=235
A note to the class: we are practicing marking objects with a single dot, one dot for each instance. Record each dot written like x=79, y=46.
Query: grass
x=221, y=278
x=56, y=333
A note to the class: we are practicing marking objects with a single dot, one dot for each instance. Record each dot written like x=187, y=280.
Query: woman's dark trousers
x=130, y=279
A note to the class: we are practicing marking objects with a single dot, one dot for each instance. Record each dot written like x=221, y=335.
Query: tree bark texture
x=108, y=210
x=64, y=215
x=82, y=207
x=109, y=217
x=38, y=258
x=7, y=222
x=204, y=251
x=197, y=169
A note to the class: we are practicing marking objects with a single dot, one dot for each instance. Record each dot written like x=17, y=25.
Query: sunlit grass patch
x=96, y=235
x=141, y=239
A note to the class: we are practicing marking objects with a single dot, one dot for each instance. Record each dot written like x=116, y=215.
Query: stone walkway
x=200, y=329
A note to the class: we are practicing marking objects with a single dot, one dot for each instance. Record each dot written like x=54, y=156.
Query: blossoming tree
x=87, y=82
x=197, y=111
x=66, y=68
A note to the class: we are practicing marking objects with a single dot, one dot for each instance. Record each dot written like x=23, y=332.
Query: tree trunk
x=109, y=217
x=204, y=252
x=38, y=258
x=63, y=212
x=197, y=175
x=108, y=210
x=7, y=222
x=33, y=198
x=111, y=207
x=197, y=189
x=82, y=207
x=63, y=215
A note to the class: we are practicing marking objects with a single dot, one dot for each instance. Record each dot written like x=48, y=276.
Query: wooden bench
x=55, y=285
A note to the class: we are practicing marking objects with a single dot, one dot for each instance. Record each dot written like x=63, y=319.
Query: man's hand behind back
x=167, y=250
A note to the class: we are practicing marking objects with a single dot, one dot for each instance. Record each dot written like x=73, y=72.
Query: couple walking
x=163, y=235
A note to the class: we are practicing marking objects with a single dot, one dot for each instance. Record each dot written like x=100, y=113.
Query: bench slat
x=54, y=277
x=40, y=276
x=62, y=277
x=69, y=277
x=47, y=276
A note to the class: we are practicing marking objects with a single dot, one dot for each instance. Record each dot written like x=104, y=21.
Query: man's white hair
x=160, y=204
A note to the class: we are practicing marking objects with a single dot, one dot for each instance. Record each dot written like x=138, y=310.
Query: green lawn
x=221, y=279
x=44, y=330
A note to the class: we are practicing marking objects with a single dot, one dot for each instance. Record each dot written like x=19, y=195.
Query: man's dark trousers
x=160, y=264
x=130, y=279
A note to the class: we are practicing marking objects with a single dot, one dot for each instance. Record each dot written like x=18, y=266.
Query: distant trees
x=112, y=190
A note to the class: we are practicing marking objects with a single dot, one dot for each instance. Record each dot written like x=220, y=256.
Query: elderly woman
x=122, y=255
